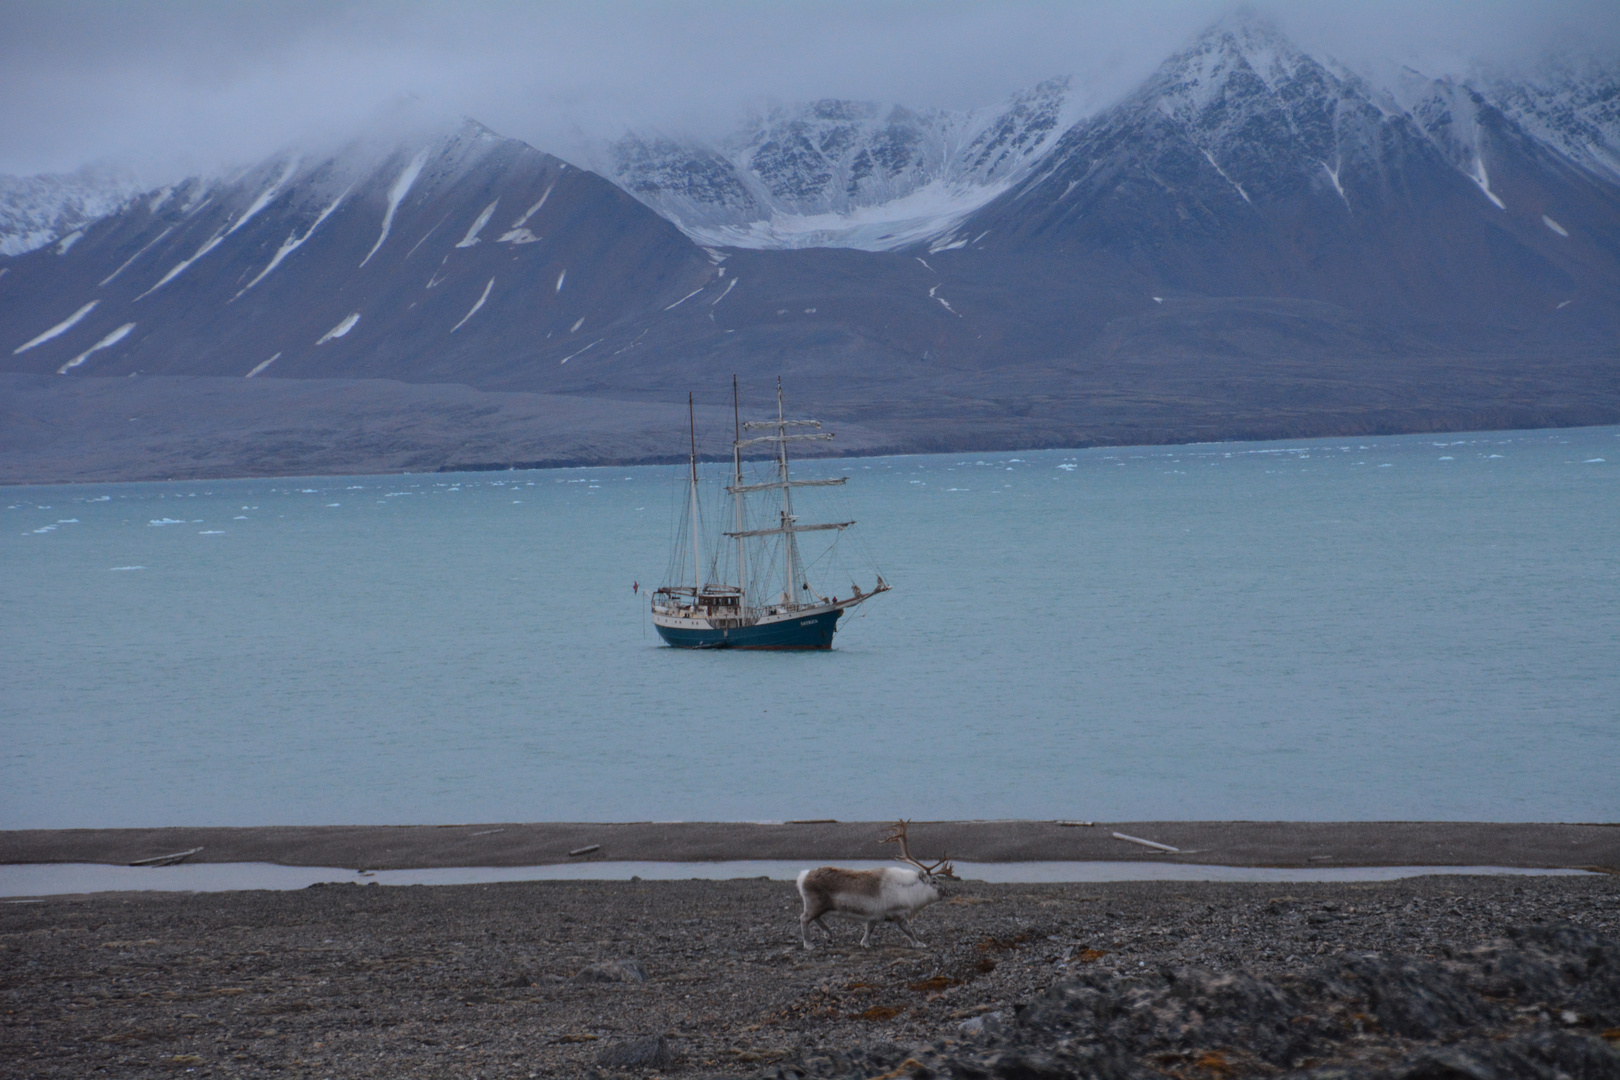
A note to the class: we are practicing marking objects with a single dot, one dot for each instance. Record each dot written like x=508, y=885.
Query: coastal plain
x=1487, y=976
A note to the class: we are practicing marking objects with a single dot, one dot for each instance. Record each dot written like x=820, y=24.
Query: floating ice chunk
x=60, y=328
x=107, y=342
x=476, y=306
x=100, y=498
x=1447, y=457
x=166, y=521
x=67, y=521
x=1593, y=461
x=1387, y=465
x=478, y=225
x=116, y=569
x=1554, y=226
x=46, y=529
x=294, y=242
x=261, y=365
x=340, y=329
x=396, y=195
x=68, y=241
x=239, y=517
x=211, y=532
x=330, y=505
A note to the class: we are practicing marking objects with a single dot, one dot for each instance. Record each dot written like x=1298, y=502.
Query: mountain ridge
x=1253, y=243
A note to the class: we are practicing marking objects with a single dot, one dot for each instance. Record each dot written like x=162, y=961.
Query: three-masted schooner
x=711, y=615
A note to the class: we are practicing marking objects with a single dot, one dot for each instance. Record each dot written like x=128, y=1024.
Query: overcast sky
x=166, y=85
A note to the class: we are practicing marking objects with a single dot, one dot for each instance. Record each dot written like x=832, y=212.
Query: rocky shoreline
x=1422, y=977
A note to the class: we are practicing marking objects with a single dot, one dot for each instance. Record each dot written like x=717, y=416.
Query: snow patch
x=262, y=365
x=1554, y=226
x=577, y=324
x=560, y=278
x=478, y=225
x=107, y=342
x=264, y=198
x=1480, y=177
x=587, y=348
x=1333, y=175
x=56, y=331
x=732, y=284
x=533, y=210
x=685, y=298
x=1211, y=159
x=518, y=236
x=135, y=256
x=68, y=241
x=180, y=267
x=293, y=243
x=340, y=329
x=481, y=299
x=396, y=195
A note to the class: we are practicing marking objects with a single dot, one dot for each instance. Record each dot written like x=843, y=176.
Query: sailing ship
x=772, y=605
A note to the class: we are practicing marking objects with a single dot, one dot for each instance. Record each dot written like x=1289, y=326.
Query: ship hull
x=811, y=630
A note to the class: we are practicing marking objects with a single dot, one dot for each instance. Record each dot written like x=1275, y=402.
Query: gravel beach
x=1510, y=976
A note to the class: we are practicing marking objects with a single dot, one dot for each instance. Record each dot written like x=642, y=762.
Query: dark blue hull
x=813, y=631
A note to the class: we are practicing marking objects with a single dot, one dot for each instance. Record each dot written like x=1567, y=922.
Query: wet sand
x=539, y=979
x=1223, y=843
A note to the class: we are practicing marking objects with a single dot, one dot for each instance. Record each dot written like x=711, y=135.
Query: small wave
x=211, y=532
x=114, y=569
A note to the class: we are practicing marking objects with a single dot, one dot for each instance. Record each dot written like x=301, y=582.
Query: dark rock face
x=1545, y=1004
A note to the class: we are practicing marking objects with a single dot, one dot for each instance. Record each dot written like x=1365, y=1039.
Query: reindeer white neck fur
x=889, y=894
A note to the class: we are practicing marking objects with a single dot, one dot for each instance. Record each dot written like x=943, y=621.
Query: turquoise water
x=1390, y=628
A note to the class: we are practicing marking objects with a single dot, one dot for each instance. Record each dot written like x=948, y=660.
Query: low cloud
x=196, y=85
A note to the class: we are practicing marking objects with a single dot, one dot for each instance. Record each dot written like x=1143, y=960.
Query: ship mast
x=736, y=461
x=697, y=570
x=787, y=502
x=789, y=525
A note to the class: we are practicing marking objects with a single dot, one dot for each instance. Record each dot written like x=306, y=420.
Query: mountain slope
x=438, y=260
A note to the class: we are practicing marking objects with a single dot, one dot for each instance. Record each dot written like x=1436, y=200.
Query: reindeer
x=890, y=894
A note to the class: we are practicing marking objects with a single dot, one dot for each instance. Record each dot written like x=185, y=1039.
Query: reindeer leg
x=866, y=938
x=905, y=928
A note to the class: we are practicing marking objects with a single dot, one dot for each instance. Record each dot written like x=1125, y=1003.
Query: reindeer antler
x=897, y=835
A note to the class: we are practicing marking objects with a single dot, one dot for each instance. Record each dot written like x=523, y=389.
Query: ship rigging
x=754, y=613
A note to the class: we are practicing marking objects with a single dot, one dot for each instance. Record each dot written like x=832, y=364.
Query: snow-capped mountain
x=40, y=210
x=426, y=256
x=1255, y=242
x=1572, y=106
x=842, y=173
